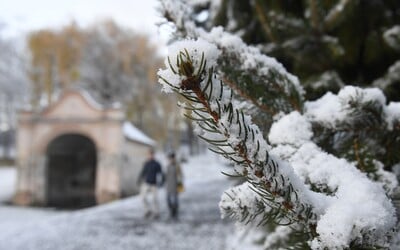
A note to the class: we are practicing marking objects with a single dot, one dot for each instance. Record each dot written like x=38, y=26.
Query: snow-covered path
x=120, y=225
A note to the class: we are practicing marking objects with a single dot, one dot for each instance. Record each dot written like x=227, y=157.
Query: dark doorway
x=71, y=172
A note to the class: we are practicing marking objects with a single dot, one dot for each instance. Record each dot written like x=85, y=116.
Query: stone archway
x=70, y=123
x=71, y=161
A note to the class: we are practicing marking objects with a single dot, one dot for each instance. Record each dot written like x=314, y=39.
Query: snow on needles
x=331, y=109
x=348, y=206
x=356, y=207
x=251, y=58
x=195, y=49
x=232, y=126
x=231, y=202
x=288, y=132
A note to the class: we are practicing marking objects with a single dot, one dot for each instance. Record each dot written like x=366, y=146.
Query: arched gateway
x=71, y=171
x=76, y=153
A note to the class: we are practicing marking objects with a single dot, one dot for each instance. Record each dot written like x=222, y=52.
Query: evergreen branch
x=361, y=126
x=356, y=149
x=274, y=92
x=280, y=201
x=231, y=175
x=221, y=152
x=237, y=133
x=213, y=130
x=254, y=73
x=248, y=97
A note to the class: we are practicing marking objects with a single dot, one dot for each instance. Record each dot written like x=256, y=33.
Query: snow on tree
x=101, y=66
x=354, y=39
x=316, y=168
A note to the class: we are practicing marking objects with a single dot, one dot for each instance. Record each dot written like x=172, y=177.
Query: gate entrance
x=71, y=172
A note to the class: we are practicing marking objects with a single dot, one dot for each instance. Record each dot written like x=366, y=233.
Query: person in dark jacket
x=151, y=177
x=173, y=182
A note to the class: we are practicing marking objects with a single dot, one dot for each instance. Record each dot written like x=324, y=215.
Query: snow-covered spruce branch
x=352, y=108
x=336, y=219
x=352, y=123
x=355, y=210
x=271, y=88
x=230, y=132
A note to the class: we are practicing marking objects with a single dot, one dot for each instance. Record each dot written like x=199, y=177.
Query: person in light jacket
x=151, y=178
x=173, y=182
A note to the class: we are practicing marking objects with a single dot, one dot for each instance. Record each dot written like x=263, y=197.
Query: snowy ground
x=7, y=181
x=120, y=225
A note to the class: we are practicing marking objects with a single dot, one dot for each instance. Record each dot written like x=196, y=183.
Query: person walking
x=151, y=177
x=174, y=182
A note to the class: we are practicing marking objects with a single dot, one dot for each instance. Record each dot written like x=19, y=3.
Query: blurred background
x=90, y=66
x=110, y=49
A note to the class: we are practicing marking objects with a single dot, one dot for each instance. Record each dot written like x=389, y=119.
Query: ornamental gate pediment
x=73, y=105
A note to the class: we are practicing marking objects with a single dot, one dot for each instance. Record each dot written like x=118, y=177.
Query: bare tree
x=105, y=65
x=14, y=92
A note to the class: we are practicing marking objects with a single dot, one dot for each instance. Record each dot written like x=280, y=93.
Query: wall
x=133, y=158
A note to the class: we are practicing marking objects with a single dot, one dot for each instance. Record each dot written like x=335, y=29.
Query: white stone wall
x=132, y=160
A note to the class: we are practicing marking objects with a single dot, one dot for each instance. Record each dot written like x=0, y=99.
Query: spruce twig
x=285, y=205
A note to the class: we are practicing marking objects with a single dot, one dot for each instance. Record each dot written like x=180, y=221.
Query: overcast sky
x=20, y=16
